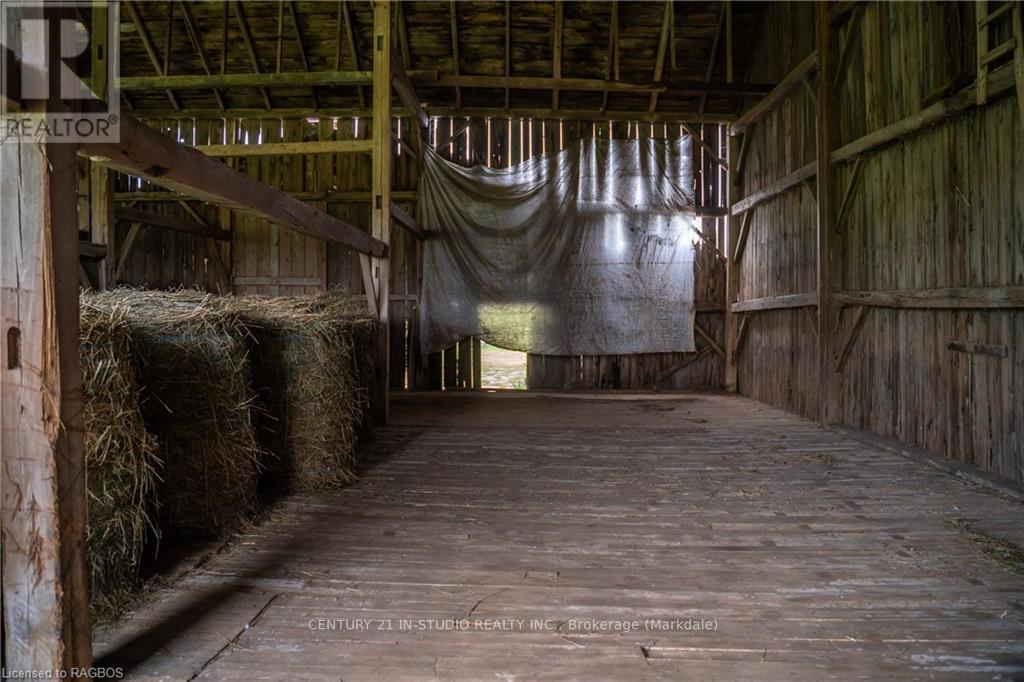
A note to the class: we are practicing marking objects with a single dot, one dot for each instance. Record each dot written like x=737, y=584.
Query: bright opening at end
x=501, y=368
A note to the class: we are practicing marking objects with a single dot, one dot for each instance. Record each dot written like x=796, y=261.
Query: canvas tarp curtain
x=588, y=251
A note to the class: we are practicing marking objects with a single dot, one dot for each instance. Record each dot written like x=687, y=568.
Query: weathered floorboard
x=816, y=555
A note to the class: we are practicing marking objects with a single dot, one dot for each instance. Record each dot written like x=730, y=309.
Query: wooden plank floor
x=812, y=555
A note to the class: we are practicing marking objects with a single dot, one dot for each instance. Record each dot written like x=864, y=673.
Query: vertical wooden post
x=728, y=42
x=381, y=207
x=477, y=362
x=42, y=481
x=101, y=179
x=827, y=130
x=732, y=268
x=101, y=219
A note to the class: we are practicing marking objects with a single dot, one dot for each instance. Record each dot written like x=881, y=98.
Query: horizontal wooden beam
x=601, y=84
x=972, y=348
x=148, y=153
x=775, y=303
x=287, y=148
x=709, y=306
x=670, y=117
x=246, y=280
x=302, y=79
x=295, y=79
x=329, y=197
x=950, y=298
x=781, y=91
x=170, y=222
x=1001, y=81
x=778, y=187
x=92, y=251
x=407, y=221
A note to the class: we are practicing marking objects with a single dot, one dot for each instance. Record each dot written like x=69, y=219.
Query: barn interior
x=519, y=340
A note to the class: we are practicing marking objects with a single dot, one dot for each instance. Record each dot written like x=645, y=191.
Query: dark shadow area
x=372, y=452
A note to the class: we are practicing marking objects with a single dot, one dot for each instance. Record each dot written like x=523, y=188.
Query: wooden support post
x=728, y=42
x=557, y=57
x=1018, y=56
x=703, y=333
x=477, y=362
x=741, y=238
x=741, y=336
x=732, y=271
x=451, y=368
x=101, y=180
x=42, y=482
x=827, y=251
x=381, y=205
x=844, y=205
x=101, y=218
x=465, y=373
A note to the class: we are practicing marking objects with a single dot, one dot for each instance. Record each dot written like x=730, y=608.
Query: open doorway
x=502, y=368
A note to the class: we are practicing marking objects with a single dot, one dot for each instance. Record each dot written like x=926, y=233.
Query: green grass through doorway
x=501, y=368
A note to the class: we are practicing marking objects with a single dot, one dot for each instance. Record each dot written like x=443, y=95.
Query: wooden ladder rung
x=995, y=14
x=998, y=52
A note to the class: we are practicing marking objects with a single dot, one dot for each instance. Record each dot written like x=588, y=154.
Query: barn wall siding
x=943, y=208
x=273, y=260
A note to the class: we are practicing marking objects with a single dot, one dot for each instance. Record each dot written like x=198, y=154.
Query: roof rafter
x=453, y=13
x=250, y=45
x=714, y=54
x=613, y=50
x=194, y=36
x=508, y=48
x=149, y=46
x=353, y=49
x=659, y=62
x=302, y=47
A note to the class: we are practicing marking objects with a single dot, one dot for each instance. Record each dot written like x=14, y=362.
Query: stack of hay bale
x=121, y=458
x=193, y=365
x=309, y=369
x=234, y=391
